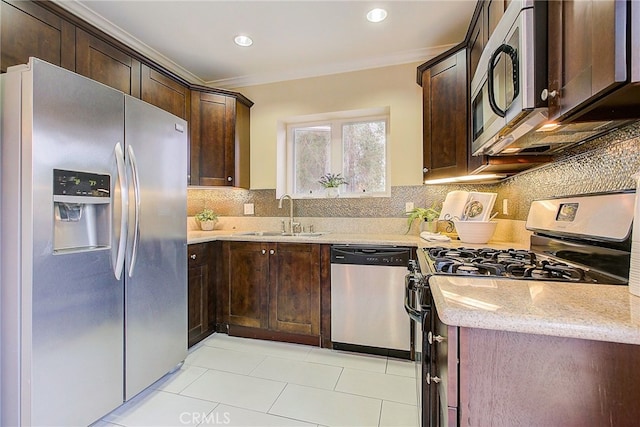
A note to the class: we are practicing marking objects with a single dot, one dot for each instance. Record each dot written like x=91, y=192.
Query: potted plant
x=331, y=181
x=207, y=219
x=428, y=218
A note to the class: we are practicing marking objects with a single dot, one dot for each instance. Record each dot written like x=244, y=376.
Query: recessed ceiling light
x=243, y=41
x=376, y=15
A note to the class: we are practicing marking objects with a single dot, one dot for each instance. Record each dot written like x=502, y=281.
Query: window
x=354, y=144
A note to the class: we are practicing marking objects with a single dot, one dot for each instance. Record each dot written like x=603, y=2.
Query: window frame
x=286, y=155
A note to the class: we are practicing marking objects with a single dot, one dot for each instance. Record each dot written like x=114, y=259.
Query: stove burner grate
x=510, y=263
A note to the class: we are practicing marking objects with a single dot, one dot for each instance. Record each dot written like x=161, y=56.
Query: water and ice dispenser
x=81, y=210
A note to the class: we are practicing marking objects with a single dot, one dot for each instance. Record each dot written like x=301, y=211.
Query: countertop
x=596, y=312
x=585, y=311
x=194, y=236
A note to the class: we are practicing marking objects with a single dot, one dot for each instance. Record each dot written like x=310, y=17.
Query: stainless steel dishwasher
x=367, y=299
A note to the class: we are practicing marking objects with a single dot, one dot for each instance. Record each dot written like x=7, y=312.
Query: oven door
x=418, y=306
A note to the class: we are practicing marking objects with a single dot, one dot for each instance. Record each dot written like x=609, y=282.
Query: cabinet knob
x=546, y=94
x=435, y=379
x=272, y=252
x=193, y=256
x=425, y=170
x=229, y=178
x=264, y=251
x=434, y=338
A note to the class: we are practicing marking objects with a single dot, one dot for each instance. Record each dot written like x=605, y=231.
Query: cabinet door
x=587, y=52
x=104, y=63
x=163, y=92
x=201, y=292
x=27, y=29
x=493, y=11
x=294, y=299
x=198, y=296
x=246, y=284
x=212, y=139
x=477, y=41
x=444, y=89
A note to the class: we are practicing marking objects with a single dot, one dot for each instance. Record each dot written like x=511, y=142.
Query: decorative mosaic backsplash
x=604, y=164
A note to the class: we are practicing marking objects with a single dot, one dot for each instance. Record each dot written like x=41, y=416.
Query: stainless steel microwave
x=511, y=75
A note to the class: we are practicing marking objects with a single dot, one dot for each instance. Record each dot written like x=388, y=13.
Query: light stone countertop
x=595, y=312
x=194, y=236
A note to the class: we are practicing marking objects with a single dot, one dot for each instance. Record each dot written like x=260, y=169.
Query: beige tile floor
x=242, y=382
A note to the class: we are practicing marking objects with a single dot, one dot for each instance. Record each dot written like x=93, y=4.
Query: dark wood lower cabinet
x=272, y=291
x=201, y=292
x=501, y=378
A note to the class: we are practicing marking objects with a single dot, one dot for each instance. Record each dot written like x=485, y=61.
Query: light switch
x=248, y=209
x=505, y=206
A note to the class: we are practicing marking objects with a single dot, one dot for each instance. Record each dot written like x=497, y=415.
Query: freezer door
x=69, y=328
x=156, y=262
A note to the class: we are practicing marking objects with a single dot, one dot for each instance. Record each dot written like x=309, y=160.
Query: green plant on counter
x=332, y=180
x=429, y=214
x=207, y=215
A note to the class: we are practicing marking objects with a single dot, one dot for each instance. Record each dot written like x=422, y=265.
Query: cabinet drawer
x=196, y=254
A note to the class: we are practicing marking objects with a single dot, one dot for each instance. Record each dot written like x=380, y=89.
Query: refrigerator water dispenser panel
x=81, y=211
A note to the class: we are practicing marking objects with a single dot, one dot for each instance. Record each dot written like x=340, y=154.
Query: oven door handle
x=409, y=286
x=513, y=55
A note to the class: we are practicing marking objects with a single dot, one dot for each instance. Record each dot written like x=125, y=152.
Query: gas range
x=571, y=242
x=521, y=264
x=583, y=240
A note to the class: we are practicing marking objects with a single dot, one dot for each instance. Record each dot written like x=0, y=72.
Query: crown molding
x=86, y=14
x=418, y=55
x=106, y=26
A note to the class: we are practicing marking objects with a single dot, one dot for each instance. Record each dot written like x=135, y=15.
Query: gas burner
x=508, y=263
x=548, y=270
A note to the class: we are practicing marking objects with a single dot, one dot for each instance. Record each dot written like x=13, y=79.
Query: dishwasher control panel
x=393, y=256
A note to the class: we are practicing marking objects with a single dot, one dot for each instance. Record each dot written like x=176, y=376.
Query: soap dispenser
x=634, y=269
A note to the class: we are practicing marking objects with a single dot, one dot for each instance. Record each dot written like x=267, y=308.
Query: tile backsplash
x=604, y=164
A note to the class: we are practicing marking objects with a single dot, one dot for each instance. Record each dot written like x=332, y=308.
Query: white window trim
x=285, y=158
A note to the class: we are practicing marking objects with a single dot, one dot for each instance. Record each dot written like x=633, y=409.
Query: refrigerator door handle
x=135, y=178
x=124, y=217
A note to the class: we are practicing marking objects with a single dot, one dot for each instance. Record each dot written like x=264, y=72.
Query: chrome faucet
x=291, y=223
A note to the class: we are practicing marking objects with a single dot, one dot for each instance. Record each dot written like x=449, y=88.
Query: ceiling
x=292, y=39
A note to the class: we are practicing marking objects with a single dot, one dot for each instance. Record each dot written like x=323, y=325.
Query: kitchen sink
x=280, y=233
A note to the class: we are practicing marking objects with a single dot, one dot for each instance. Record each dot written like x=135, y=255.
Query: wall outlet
x=505, y=206
x=408, y=207
x=248, y=209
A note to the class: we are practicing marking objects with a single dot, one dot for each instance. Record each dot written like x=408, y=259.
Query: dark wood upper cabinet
x=29, y=30
x=477, y=41
x=219, y=140
x=587, y=52
x=445, y=134
x=164, y=92
x=493, y=11
x=106, y=64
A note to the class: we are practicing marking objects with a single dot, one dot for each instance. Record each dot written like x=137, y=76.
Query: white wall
x=394, y=86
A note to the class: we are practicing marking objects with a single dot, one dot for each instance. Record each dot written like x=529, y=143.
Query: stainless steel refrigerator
x=93, y=234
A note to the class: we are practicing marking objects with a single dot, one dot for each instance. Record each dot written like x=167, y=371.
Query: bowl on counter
x=475, y=231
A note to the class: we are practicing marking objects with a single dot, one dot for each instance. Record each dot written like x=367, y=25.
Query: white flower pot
x=333, y=192
x=207, y=225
